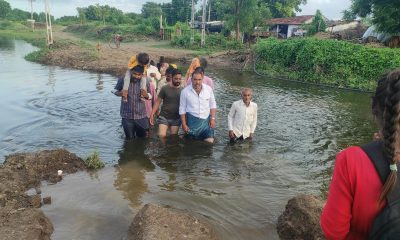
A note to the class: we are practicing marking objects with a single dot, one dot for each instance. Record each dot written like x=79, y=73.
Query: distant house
x=339, y=26
x=289, y=27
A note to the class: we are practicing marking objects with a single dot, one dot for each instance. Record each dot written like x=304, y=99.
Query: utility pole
x=192, y=24
x=31, y=8
x=203, y=24
x=209, y=10
x=31, y=20
x=49, y=30
x=161, y=28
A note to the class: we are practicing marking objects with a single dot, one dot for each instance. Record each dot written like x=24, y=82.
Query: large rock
x=301, y=219
x=155, y=222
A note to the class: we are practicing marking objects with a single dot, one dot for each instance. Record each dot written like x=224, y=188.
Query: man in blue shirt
x=133, y=112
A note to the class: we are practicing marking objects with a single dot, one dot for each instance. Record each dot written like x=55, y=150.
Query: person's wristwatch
x=213, y=118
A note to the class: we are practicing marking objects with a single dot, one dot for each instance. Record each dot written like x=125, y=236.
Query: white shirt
x=198, y=105
x=242, y=119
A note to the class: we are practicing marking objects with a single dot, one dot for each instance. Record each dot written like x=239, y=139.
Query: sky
x=332, y=9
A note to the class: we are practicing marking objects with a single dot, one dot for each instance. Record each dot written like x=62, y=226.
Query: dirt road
x=99, y=57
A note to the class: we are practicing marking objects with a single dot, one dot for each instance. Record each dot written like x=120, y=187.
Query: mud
x=153, y=222
x=99, y=57
x=20, y=194
x=300, y=220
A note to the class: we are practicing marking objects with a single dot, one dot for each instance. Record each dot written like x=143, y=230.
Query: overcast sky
x=330, y=8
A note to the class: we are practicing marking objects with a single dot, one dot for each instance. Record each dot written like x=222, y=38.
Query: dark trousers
x=236, y=139
x=135, y=127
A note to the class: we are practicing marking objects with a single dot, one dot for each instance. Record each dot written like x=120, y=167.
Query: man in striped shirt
x=133, y=112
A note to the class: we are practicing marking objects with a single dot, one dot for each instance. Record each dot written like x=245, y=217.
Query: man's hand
x=144, y=94
x=151, y=119
x=185, y=128
x=153, y=75
x=250, y=138
x=212, y=123
x=231, y=134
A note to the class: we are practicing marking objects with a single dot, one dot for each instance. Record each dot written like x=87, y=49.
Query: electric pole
x=31, y=21
x=203, y=24
x=31, y=8
x=192, y=24
x=49, y=30
x=209, y=10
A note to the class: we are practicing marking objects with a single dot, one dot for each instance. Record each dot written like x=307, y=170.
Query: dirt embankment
x=99, y=57
x=20, y=194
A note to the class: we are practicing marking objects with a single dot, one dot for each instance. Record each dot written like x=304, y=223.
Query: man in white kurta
x=242, y=118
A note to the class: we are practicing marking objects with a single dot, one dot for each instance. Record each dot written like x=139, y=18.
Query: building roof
x=299, y=20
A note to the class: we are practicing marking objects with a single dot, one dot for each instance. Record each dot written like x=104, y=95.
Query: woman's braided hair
x=386, y=109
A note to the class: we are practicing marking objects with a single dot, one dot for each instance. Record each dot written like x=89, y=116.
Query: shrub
x=333, y=62
x=213, y=42
x=93, y=161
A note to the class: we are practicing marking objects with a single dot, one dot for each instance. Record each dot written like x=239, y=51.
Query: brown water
x=241, y=189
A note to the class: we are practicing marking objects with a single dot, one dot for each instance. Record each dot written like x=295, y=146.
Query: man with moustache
x=198, y=109
x=169, y=115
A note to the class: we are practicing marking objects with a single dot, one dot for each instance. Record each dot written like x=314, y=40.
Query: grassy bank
x=98, y=31
x=332, y=62
x=17, y=30
x=214, y=42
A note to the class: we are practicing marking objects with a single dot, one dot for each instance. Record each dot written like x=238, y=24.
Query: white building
x=289, y=27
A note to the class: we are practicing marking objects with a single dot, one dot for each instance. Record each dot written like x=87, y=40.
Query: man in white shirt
x=197, y=109
x=242, y=118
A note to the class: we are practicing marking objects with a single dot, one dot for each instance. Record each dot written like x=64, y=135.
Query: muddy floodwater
x=241, y=189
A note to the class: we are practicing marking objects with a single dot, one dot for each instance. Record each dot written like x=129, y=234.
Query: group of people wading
x=363, y=200
x=161, y=94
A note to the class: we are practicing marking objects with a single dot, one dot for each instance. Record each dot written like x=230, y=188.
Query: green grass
x=93, y=161
x=331, y=62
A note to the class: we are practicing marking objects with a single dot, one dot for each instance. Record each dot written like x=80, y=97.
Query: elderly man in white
x=242, y=118
x=197, y=108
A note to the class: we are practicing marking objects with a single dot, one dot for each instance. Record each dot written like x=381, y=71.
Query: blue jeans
x=135, y=127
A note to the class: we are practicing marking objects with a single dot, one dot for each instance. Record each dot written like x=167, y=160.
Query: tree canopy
x=318, y=24
x=151, y=9
x=5, y=8
x=385, y=13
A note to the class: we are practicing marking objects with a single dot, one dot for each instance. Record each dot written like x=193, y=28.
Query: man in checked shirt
x=133, y=112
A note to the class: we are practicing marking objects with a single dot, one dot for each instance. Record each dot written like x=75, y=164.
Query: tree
x=103, y=12
x=284, y=8
x=177, y=11
x=5, y=8
x=318, y=24
x=18, y=15
x=241, y=15
x=385, y=13
x=151, y=9
x=91, y=13
x=81, y=15
x=348, y=16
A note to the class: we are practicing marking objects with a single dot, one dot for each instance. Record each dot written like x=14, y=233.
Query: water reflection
x=100, y=81
x=133, y=165
x=7, y=44
x=52, y=78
